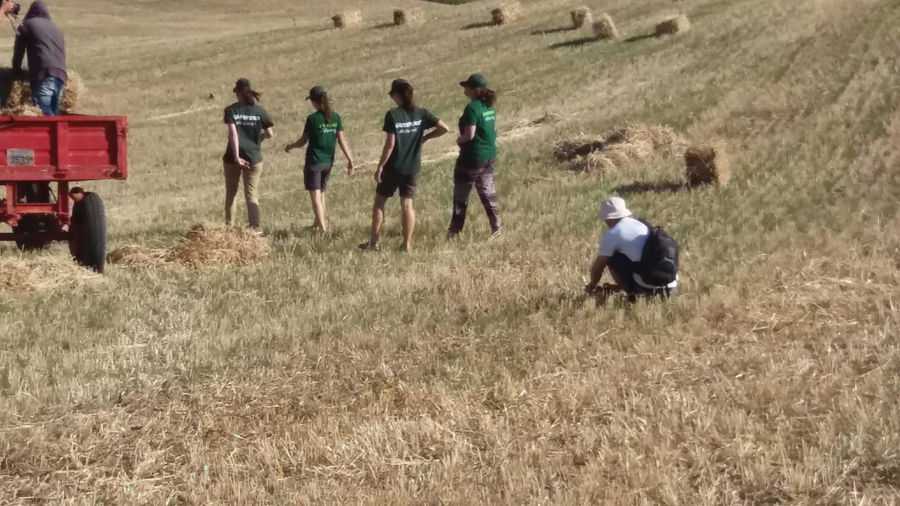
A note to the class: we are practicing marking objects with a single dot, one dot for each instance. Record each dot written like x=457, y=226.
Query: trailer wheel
x=37, y=226
x=87, y=232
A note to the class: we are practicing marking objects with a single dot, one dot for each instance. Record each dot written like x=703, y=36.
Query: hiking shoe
x=495, y=234
x=404, y=248
x=368, y=246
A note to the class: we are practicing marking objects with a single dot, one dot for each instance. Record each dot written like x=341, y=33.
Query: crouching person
x=641, y=259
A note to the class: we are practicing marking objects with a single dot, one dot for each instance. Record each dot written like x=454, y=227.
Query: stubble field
x=474, y=371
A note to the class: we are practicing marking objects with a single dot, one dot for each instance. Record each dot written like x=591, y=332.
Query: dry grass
x=582, y=17
x=673, y=26
x=348, y=19
x=22, y=274
x=605, y=29
x=707, y=164
x=205, y=245
x=506, y=13
x=404, y=17
x=617, y=149
x=15, y=94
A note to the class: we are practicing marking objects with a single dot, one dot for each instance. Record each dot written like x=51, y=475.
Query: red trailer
x=37, y=152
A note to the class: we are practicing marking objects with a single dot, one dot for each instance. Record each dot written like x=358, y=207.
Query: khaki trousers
x=250, y=175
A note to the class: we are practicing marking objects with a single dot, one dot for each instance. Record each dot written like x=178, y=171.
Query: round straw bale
x=707, y=165
x=605, y=29
x=506, y=13
x=348, y=19
x=582, y=17
x=673, y=26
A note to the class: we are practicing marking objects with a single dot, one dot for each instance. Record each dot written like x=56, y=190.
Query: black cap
x=474, y=81
x=398, y=85
x=242, y=84
x=316, y=93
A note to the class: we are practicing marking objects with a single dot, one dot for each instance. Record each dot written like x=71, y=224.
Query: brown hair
x=323, y=102
x=486, y=95
x=249, y=97
x=405, y=91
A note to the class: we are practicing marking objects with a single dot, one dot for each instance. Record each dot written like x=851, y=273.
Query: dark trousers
x=481, y=176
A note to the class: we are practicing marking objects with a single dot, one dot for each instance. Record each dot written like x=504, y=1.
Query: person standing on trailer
x=401, y=160
x=323, y=129
x=42, y=41
x=477, y=156
x=248, y=125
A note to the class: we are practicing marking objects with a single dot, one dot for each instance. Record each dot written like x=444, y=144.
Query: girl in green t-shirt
x=477, y=156
x=323, y=129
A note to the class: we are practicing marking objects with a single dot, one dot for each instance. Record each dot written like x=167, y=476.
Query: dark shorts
x=315, y=177
x=391, y=182
x=625, y=269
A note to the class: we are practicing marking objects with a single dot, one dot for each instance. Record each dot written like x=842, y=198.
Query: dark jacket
x=43, y=41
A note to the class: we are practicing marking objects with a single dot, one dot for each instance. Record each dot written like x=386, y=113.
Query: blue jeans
x=46, y=95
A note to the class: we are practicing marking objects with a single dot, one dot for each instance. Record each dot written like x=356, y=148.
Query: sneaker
x=369, y=246
x=495, y=234
x=404, y=248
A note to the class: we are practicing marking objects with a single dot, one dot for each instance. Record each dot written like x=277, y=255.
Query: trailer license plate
x=19, y=157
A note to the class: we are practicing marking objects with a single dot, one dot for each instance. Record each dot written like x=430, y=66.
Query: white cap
x=614, y=208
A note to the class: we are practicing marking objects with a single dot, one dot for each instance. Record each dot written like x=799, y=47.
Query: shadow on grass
x=550, y=31
x=640, y=37
x=382, y=26
x=574, y=43
x=475, y=26
x=663, y=186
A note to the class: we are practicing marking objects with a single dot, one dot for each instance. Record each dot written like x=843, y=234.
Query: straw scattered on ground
x=673, y=26
x=707, y=165
x=204, y=246
x=618, y=148
x=348, y=19
x=605, y=29
x=21, y=274
x=15, y=94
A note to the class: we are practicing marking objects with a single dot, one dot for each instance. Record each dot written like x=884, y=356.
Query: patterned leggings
x=481, y=176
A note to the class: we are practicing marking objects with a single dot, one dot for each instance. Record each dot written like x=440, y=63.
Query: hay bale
x=582, y=17
x=407, y=17
x=19, y=275
x=348, y=19
x=605, y=29
x=506, y=13
x=618, y=148
x=207, y=245
x=15, y=94
x=673, y=26
x=707, y=165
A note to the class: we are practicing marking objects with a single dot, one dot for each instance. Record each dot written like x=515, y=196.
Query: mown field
x=475, y=372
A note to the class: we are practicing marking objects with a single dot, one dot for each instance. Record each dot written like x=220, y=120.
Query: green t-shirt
x=250, y=121
x=322, y=136
x=409, y=128
x=484, y=146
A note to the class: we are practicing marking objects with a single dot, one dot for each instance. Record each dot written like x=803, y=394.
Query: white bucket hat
x=614, y=208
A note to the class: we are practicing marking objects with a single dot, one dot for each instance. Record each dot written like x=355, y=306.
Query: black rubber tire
x=37, y=225
x=87, y=232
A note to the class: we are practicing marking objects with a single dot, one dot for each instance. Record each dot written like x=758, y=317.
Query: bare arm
x=233, y=143
x=268, y=133
x=438, y=131
x=467, y=135
x=299, y=144
x=345, y=148
x=597, y=269
x=390, y=140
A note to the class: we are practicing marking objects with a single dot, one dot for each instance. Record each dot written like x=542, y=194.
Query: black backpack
x=659, y=260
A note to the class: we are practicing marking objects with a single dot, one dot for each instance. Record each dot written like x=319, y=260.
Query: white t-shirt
x=628, y=237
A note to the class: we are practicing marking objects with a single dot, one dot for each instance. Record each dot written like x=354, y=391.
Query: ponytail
x=250, y=97
x=486, y=95
x=326, y=107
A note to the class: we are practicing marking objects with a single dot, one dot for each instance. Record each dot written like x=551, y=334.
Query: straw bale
x=618, y=148
x=15, y=94
x=582, y=17
x=407, y=17
x=605, y=29
x=673, y=26
x=348, y=19
x=707, y=165
x=506, y=13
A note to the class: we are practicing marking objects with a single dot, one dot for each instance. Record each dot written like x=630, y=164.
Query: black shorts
x=391, y=182
x=625, y=268
x=315, y=176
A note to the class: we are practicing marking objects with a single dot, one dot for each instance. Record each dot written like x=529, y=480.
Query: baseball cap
x=474, y=81
x=316, y=92
x=242, y=84
x=398, y=84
